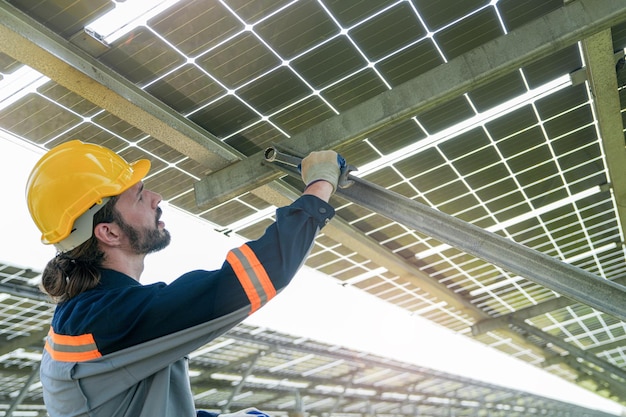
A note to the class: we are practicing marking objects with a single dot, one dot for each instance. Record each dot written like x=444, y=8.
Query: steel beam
x=244, y=377
x=298, y=408
x=32, y=293
x=602, y=380
x=339, y=230
x=566, y=279
x=280, y=195
x=341, y=396
x=500, y=322
x=573, y=350
x=548, y=34
x=600, y=63
x=612, y=389
x=22, y=394
x=31, y=43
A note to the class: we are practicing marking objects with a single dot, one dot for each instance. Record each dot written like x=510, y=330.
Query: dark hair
x=73, y=272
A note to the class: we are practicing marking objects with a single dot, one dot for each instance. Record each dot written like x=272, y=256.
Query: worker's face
x=140, y=219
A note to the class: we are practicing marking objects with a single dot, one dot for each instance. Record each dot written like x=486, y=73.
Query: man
x=116, y=347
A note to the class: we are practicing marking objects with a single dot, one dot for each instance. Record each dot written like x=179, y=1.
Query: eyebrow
x=140, y=189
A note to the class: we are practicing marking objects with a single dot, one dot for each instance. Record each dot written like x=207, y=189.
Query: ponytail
x=73, y=272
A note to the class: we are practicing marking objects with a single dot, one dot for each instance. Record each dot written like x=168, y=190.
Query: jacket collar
x=113, y=279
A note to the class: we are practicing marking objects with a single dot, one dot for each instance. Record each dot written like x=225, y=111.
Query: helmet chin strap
x=82, y=229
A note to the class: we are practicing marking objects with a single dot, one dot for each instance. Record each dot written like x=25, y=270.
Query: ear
x=108, y=234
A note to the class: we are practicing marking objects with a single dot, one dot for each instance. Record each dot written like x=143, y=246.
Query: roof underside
x=505, y=114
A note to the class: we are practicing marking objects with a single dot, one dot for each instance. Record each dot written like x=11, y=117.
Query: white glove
x=321, y=165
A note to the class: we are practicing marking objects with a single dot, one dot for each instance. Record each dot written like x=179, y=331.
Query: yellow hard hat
x=72, y=178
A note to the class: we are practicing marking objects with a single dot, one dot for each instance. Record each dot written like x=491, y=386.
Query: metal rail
x=566, y=279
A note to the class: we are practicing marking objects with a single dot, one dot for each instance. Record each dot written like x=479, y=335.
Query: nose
x=156, y=199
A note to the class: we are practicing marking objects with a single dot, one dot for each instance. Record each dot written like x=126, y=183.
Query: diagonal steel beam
x=566, y=279
x=339, y=230
x=239, y=386
x=31, y=43
x=20, y=290
x=22, y=394
x=548, y=34
x=573, y=350
x=600, y=379
x=501, y=322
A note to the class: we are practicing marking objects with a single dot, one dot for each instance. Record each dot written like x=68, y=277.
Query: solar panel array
x=286, y=375
x=520, y=155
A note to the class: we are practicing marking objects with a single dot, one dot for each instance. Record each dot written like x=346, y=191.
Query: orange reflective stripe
x=71, y=348
x=259, y=270
x=252, y=275
x=83, y=339
x=248, y=287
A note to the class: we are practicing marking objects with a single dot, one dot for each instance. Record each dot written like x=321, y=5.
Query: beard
x=149, y=241
x=145, y=241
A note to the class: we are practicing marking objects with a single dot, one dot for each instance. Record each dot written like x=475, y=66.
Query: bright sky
x=346, y=316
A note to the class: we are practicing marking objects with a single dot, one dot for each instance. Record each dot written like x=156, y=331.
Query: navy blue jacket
x=118, y=349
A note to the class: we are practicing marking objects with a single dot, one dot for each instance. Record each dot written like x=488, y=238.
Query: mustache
x=159, y=213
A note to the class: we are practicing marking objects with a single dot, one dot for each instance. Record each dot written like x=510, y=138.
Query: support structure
x=600, y=63
x=548, y=34
x=27, y=41
x=237, y=389
x=567, y=280
x=60, y=59
x=298, y=409
x=503, y=321
x=20, y=291
x=610, y=371
x=20, y=397
x=339, y=230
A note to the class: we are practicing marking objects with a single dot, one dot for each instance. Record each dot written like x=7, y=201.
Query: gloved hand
x=321, y=165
